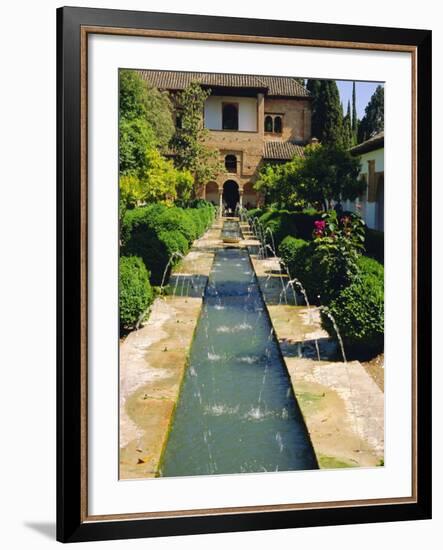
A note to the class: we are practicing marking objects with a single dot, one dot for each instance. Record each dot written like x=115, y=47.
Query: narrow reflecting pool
x=237, y=412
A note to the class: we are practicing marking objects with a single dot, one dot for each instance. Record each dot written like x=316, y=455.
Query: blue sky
x=363, y=92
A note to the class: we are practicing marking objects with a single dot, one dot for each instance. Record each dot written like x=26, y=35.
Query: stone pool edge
x=141, y=457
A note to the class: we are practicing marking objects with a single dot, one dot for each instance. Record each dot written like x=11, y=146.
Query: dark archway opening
x=231, y=195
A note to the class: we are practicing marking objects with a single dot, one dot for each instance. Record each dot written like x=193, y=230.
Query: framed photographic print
x=243, y=274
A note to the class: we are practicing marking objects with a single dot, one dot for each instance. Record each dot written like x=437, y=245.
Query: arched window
x=231, y=163
x=277, y=125
x=268, y=123
x=230, y=116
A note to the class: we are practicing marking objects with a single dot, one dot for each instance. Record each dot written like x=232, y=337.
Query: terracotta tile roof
x=284, y=86
x=282, y=150
x=271, y=85
x=375, y=142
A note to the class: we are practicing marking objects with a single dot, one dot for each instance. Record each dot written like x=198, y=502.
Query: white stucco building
x=371, y=204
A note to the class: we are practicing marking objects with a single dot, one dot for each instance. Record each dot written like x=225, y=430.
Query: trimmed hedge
x=135, y=290
x=308, y=265
x=375, y=244
x=359, y=313
x=371, y=266
x=294, y=253
x=295, y=224
x=155, y=232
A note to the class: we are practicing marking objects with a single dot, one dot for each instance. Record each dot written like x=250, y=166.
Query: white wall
x=368, y=210
x=27, y=407
x=247, y=116
x=378, y=155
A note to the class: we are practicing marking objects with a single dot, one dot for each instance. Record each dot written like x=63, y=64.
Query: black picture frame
x=72, y=524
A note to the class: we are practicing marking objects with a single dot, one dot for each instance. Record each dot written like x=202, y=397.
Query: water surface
x=237, y=412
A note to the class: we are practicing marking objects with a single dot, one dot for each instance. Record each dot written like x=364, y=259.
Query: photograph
x=251, y=273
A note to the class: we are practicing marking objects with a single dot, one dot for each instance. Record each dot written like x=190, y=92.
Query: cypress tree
x=333, y=127
x=354, y=113
x=374, y=120
x=314, y=87
x=327, y=112
x=348, y=140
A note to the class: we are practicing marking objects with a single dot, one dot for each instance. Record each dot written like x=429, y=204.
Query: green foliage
x=136, y=136
x=327, y=112
x=348, y=135
x=277, y=183
x=285, y=222
x=325, y=174
x=374, y=244
x=371, y=267
x=359, y=313
x=146, y=128
x=280, y=222
x=335, y=274
x=328, y=174
x=293, y=252
x=188, y=143
x=338, y=244
x=355, y=121
x=135, y=290
x=147, y=105
x=157, y=180
x=374, y=120
x=155, y=232
x=255, y=212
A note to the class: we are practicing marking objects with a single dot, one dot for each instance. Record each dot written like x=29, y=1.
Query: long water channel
x=237, y=411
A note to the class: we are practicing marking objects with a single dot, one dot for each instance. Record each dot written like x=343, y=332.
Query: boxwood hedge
x=135, y=290
x=156, y=231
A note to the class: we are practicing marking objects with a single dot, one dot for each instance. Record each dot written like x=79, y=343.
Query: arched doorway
x=231, y=195
x=211, y=193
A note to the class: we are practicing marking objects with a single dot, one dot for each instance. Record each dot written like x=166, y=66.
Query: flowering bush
x=338, y=243
x=320, y=227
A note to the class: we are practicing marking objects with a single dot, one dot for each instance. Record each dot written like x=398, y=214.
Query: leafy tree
x=374, y=120
x=328, y=174
x=276, y=183
x=188, y=143
x=149, y=106
x=146, y=127
x=158, y=181
x=327, y=112
x=136, y=137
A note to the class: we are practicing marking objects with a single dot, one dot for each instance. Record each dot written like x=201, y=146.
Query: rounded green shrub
x=285, y=223
x=375, y=244
x=359, y=313
x=371, y=266
x=359, y=310
x=293, y=253
x=135, y=294
x=178, y=219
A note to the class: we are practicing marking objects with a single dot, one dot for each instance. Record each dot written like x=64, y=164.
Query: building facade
x=251, y=120
x=371, y=205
